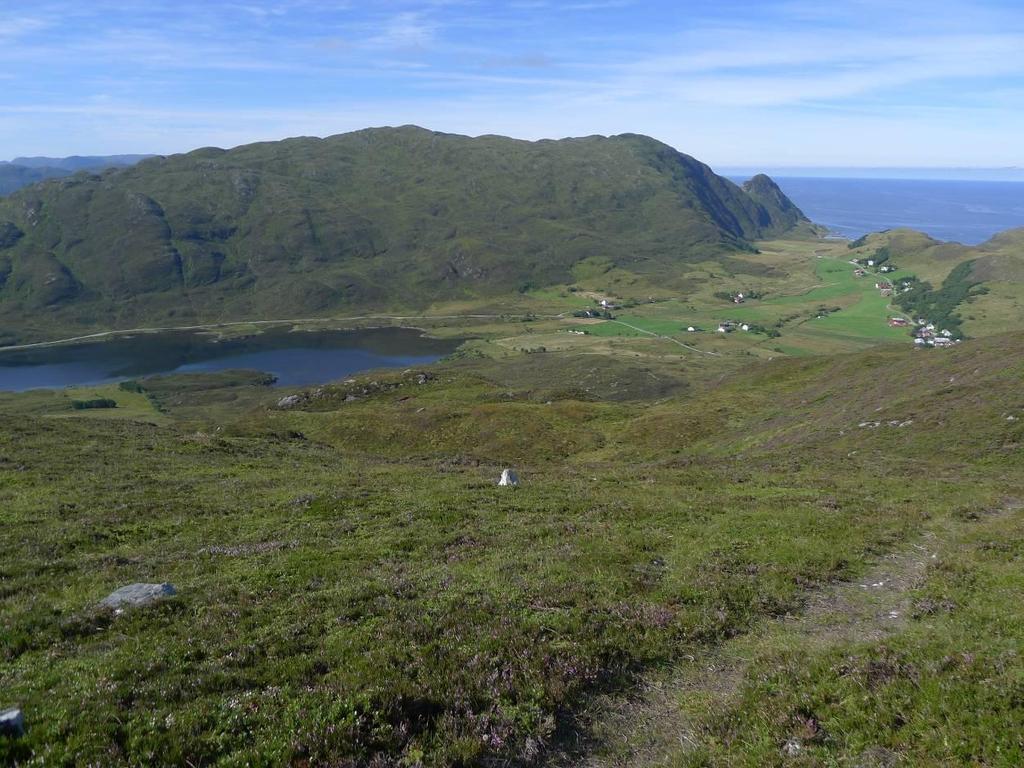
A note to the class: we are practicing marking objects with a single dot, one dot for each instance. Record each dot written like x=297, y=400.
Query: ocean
x=968, y=212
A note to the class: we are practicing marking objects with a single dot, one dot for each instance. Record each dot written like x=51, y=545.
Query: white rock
x=135, y=595
x=289, y=401
x=509, y=477
x=12, y=722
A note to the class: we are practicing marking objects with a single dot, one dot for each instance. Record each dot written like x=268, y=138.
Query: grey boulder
x=136, y=595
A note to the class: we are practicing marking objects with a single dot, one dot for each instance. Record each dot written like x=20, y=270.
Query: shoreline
x=101, y=336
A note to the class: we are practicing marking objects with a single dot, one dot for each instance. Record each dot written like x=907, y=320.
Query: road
x=666, y=338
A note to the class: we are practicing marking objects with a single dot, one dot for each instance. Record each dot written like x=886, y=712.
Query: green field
x=856, y=314
x=865, y=319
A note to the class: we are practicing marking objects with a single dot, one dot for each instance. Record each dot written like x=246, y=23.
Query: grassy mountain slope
x=354, y=589
x=382, y=217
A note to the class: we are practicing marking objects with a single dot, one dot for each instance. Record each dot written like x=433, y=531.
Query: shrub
x=939, y=305
x=99, y=402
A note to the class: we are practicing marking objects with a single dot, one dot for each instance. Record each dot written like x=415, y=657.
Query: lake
x=968, y=212
x=297, y=358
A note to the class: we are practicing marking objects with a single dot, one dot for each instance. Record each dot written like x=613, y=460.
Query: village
x=924, y=332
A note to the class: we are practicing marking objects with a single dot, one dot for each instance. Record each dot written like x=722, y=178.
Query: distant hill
x=80, y=162
x=23, y=171
x=14, y=177
x=390, y=217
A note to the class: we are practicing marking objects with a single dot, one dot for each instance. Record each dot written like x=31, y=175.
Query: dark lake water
x=296, y=358
x=968, y=212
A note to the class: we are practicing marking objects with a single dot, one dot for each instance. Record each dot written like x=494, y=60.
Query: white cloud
x=405, y=31
x=837, y=77
x=13, y=27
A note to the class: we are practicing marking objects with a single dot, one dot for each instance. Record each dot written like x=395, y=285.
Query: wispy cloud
x=800, y=69
x=408, y=30
x=737, y=76
x=13, y=27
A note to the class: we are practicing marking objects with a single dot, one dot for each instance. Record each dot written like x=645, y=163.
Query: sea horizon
x=1008, y=174
x=956, y=210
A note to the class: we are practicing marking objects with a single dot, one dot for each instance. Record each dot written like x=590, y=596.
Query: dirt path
x=648, y=727
x=666, y=338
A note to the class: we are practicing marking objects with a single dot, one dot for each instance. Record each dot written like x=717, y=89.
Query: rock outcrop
x=509, y=477
x=136, y=596
x=12, y=722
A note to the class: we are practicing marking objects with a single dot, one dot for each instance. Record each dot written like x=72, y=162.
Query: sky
x=736, y=83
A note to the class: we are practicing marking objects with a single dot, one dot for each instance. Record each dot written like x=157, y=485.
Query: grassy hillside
x=354, y=589
x=379, y=218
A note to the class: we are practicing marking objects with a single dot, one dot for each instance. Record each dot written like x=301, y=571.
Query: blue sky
x=733, y=82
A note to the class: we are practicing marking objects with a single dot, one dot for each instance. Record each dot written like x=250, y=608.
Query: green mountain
x=391, y=217
x=771, y=197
